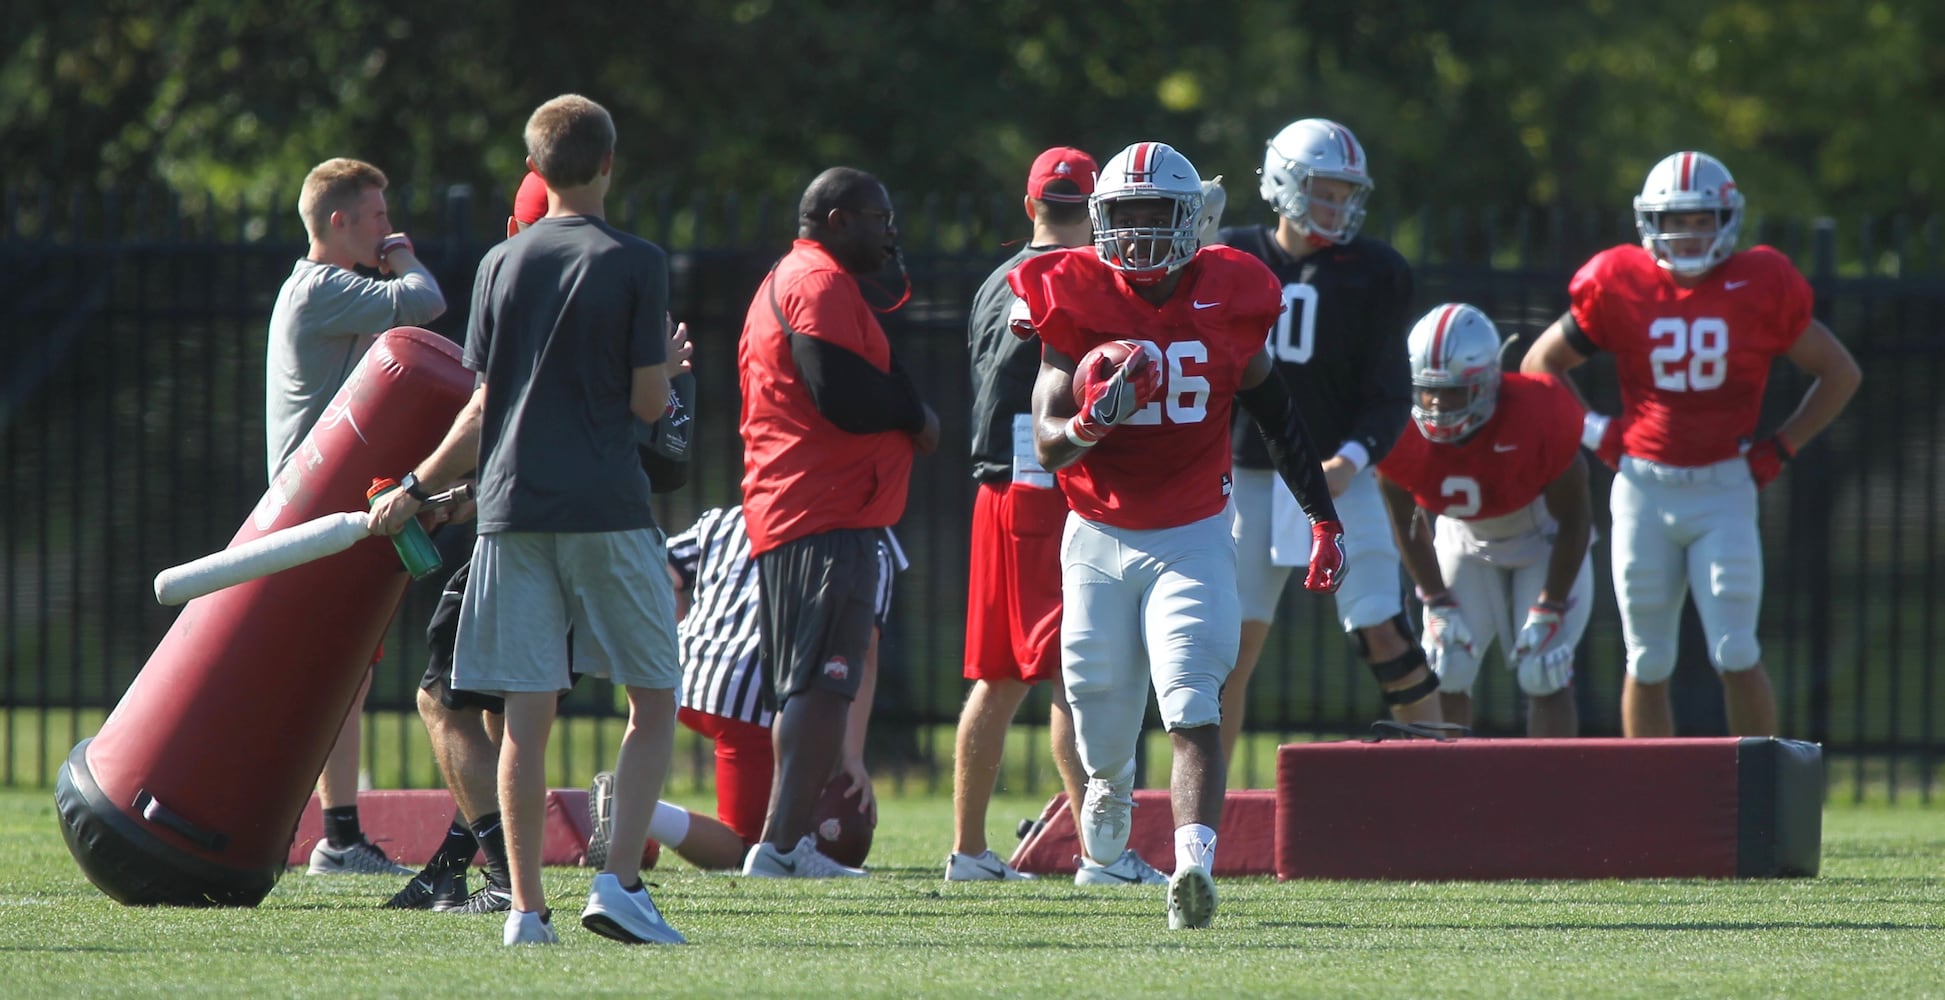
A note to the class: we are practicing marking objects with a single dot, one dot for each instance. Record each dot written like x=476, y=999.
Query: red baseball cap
x=531, y=203
x=1062, y=163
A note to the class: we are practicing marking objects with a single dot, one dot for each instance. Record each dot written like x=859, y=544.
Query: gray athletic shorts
x=528, y=589
x=1372, y=592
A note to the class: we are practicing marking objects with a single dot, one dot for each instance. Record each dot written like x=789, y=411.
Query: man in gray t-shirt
x=567, y=334
x=326, y=316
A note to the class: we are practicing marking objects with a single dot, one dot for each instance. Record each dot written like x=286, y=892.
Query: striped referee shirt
x=719, y=636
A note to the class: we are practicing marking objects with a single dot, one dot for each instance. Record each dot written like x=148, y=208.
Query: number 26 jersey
x=1169, y=464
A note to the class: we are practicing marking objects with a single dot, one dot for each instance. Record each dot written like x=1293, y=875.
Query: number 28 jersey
x=1168, y=465
x=1692, y=362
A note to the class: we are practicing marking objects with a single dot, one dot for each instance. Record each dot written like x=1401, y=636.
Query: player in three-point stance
x=1495, y=460
x=1693, y=326
x=1148, y=567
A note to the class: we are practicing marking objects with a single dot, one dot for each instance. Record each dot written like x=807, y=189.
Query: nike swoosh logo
x=1733, y=285
x=1117, y=876
x=990, y=869
x=1505, y=447
x=1205, y=305
x=789, y=865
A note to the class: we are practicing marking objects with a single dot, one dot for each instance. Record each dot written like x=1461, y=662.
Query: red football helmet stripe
x=1350, y=144
x=1688, y=170
x=1438, y=334
x=1139, y=168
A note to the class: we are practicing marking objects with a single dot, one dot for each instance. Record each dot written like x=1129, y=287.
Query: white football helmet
x=1308, y=149
x=1453, y=347
x=1689, y=182
x=1146, y=171
x=1209, y=222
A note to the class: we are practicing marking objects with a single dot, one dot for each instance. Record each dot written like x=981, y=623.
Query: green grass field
x=1872, y=926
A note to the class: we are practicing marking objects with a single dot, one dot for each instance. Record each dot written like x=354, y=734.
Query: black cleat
x=437, y=887
x=489, y=898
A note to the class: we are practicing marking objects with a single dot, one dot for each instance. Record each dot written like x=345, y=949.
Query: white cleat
x=982, y=867
x=802, y=861
x=1128, y=869
x=1191, y=898
x=629, y=917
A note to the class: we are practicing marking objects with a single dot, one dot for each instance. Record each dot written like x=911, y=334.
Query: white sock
x=1195, y=844
x=669, y=826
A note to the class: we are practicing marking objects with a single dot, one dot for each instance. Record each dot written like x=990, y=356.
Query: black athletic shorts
x=818, y=609
x=442, y=633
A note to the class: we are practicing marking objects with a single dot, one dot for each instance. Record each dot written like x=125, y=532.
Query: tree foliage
x=1818, y=106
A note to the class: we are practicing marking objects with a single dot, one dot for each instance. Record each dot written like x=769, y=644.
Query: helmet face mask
x=1314, y=174
x=1144, y=209
x=1454, y=353
x=1667, y=213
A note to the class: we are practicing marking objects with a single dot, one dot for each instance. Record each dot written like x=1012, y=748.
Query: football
x=843, y=833
x=1096, y=365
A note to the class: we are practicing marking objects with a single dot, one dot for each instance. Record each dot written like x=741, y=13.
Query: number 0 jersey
x=1505, y=465
x=1169, y=464
x=1691, y=362
x=1340, y=344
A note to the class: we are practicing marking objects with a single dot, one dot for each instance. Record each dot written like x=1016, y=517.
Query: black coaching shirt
x=1004, y=368
x=1340, y=343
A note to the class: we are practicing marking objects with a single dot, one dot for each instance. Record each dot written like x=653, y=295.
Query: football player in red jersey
x=1693, y=325
x=1148, y=568
x=1496, y=460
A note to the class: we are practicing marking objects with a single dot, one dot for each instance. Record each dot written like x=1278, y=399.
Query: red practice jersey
x=1169, y=464
x=1505, y=465
x=802, y=475
x=1692, y=362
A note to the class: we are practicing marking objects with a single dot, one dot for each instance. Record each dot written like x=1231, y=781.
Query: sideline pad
x=1549, y=809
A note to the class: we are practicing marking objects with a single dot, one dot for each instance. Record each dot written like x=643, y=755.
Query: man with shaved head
x=830, y=424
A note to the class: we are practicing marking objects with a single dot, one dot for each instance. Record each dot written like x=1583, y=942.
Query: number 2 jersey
x=1691, y=362
x=1169, y=464
x=1505, y=465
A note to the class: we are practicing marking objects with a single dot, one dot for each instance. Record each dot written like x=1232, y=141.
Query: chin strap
x=898, y=258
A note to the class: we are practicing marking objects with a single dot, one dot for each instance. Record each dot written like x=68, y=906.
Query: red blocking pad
x=1549, y=809
x=1244, y=843
x=409, y=825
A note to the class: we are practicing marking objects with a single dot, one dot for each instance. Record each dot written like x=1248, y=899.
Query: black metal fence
x=131, y=438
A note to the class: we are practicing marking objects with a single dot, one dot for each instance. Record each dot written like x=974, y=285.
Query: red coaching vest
x=801, y=475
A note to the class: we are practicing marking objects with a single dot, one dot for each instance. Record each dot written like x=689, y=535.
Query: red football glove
x=1326, y=557
x=1602, y=436
x=1111, y=400
x=1766, y=458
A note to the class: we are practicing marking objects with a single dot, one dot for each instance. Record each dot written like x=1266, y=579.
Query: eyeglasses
x=875, y=214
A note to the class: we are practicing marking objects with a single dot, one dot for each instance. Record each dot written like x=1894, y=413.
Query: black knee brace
x=1400, y=667
x=1399, y=622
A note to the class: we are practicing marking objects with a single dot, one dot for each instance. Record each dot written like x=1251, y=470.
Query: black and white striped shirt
x=719, y=636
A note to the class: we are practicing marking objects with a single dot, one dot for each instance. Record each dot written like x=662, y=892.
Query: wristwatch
x=410, y=484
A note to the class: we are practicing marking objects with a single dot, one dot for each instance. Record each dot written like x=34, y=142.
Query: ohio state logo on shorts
x=836, y=669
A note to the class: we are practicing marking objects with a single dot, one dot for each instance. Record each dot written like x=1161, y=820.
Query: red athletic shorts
x=1013, y=594
x=745, y=762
